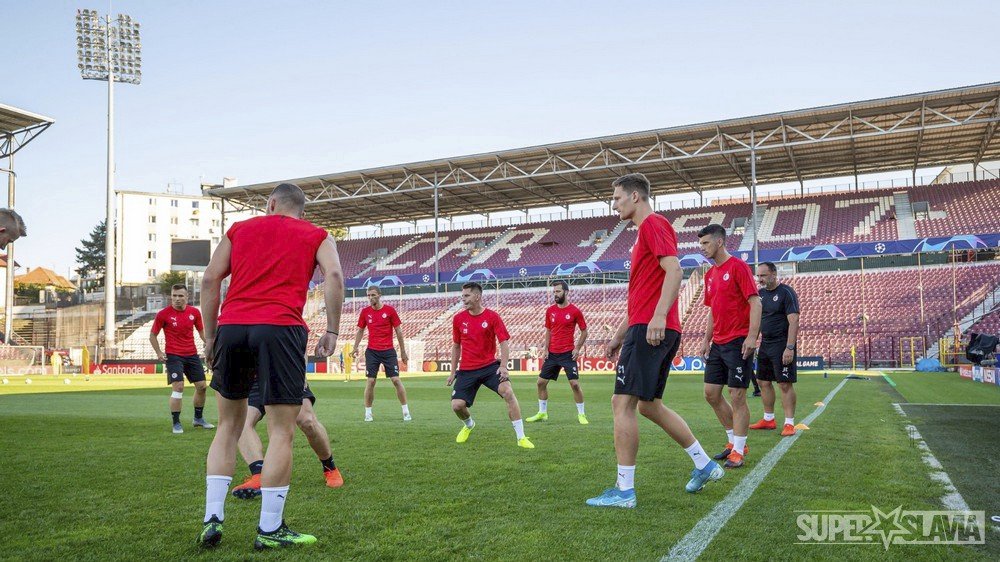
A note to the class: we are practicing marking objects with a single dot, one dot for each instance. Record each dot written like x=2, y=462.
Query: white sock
x=768, y=416
x=518, y=428
x=543, y=406
x=216, y=490
x=368, y=411
x=272, y=508
x=626, y=477
x=729, y=436
x=698, y=455
x=406, y=410
x=789, y=421
x=469, y=423
x=579, y=408
x=739, y=443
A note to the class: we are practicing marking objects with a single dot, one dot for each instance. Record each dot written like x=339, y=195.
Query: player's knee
x=458, y=405
x=574, y=384
x=712, y=397
x=200, y=386
x=396, y=382
x=786, y=386
x=307, y=423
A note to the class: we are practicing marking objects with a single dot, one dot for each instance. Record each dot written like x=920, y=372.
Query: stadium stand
x=959, y=208
x=838, y=218
x=832, y=305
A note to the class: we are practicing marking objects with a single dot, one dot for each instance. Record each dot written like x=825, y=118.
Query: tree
x=169, y=279
x=338, y=233
x=90, y=254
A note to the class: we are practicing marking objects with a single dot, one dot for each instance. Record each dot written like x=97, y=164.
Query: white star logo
x=886, y=525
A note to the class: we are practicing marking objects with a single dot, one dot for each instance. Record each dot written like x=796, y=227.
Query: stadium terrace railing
x=686, y=203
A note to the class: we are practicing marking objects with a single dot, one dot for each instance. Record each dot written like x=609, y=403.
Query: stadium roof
x=19, y=127
x=904, y=132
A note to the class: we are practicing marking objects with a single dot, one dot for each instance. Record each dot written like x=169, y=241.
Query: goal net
x=22, y=360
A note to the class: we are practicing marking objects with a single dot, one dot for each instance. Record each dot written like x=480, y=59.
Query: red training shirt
x=380, y=324
x=273, y=259
x=727, y=288
x=478, y=336
x=656, y=240
x=178, y=329
x=563, y=322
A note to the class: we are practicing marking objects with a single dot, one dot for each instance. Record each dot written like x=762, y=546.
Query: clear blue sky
x=274, y=90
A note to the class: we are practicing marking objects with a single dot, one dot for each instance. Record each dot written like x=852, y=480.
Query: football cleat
x=249, y=489
x=710, y=473
x=735, y=460
x=613, y=497
x=540, y=416
x=280, y=538
x=764, y=424
x=582, y=419
x=464, y=434
x=211, y=534
x=333, y=478
x=788, y=430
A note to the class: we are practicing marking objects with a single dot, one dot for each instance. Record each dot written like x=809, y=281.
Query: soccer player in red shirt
x=178, y=323
x=475, y=332
x=730, y=340
x=381, y=320
x=561, y=321
x=648, y=338
x=261, y=336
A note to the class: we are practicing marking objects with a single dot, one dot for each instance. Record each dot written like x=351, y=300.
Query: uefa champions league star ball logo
x=426, y=278
x=628, y=265
x=522, y=272
x=879, y=248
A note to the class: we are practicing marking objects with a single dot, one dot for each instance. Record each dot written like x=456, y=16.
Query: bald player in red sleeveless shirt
x=262, y=336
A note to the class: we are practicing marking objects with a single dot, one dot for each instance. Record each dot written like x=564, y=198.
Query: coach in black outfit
x=779, y=329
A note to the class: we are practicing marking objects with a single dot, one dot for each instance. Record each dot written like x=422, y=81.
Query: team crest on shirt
x=384, y=315
x=725, y=277
x=191, y=317
x=485, y=324
x=775, y=298
x=567, y=317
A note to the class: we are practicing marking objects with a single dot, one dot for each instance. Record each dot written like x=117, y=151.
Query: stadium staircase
x=606, y=243
x=489, y=249
x=905, y=225
x=990, y=304
x=690, y=296
x=439, y=321
x=751, y=230
x=402, y=249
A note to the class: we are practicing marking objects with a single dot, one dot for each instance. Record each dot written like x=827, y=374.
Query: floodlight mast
x=110, y=51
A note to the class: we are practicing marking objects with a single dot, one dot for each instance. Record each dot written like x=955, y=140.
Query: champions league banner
x=794, y=254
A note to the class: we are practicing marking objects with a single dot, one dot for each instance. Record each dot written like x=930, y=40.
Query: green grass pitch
x=98, y=475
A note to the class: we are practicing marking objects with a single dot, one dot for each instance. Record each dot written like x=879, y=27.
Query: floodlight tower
x=109, y=50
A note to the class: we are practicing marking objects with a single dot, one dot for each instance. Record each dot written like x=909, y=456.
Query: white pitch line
x=698, y=538
x=952, y=498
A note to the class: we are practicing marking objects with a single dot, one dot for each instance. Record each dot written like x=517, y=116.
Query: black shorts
x=256, y=401
x=642, y=368
x=467, y=383
x=374, y=358
x=273, y=356
x=727, y=367
x=556, y=361
x=187, y=365
x=769, y=365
